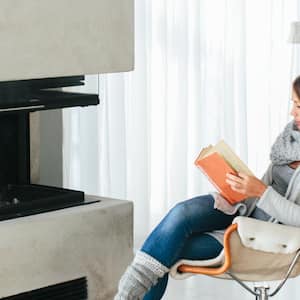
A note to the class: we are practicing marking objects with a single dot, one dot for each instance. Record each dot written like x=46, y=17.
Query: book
x=215, y=161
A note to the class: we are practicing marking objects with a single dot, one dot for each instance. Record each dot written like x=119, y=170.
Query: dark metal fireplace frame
x=18, y=197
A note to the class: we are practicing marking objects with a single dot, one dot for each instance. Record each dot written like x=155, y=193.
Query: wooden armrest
x=216, y=270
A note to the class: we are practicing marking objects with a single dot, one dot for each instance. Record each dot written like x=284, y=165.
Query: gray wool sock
x=139, y=277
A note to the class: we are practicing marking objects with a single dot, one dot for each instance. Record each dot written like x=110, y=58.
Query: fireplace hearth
x=18, y=196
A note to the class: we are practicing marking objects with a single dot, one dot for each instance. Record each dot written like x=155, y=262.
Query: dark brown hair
x=296, y=86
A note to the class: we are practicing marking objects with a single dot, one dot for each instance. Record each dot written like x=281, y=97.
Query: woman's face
x=295, y=112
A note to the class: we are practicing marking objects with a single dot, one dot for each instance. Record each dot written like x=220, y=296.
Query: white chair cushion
x=268, y=237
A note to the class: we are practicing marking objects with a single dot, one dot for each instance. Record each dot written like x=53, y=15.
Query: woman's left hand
x=246, y=184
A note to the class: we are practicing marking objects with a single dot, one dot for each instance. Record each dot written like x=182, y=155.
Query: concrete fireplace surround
x=94, y=240
x=52, y=38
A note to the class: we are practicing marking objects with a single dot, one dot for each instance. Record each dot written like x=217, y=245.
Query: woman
x=190, y=229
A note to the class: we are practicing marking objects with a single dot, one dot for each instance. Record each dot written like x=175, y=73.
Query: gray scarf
x=286, y=148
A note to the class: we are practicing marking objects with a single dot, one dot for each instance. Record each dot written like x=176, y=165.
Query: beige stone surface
x=94, y=240
x=41, y=38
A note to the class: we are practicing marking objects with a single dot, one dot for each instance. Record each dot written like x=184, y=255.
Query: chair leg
x=261, y=292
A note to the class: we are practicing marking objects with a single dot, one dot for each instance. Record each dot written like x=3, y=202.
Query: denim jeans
x=181, y=234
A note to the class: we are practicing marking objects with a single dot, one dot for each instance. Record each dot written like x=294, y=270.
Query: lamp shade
x=294, y=33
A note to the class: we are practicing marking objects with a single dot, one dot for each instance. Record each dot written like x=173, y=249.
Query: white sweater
x=284, y=209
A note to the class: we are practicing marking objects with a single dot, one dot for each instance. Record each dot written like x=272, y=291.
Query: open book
x=215, y=162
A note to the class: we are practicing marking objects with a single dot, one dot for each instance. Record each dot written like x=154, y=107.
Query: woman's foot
x=140, y=276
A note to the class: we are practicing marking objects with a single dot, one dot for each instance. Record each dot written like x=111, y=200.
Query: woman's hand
x=245, y=184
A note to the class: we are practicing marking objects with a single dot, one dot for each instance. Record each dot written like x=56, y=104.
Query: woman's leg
x=187, y=218
x=166, y=243
x=198, y=247
x=158, y=290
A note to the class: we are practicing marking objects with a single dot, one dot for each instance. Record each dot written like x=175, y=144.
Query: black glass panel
x=33, y=95
x=23, y=200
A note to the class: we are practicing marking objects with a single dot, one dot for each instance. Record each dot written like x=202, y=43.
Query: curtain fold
x=204, y=70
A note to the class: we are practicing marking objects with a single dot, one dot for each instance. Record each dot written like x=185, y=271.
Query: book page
x=205, y=151
x=228, y=154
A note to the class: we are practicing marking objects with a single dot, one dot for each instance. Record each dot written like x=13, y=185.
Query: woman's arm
x=270, y=201
x=279, y=207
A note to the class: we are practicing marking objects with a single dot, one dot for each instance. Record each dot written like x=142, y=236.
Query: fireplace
x=18, y=196
x=57, y=243
x=54, y=240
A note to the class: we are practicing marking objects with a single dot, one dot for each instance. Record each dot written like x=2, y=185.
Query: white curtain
x=205, y=70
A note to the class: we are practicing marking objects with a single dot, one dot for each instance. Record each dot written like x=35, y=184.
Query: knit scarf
x=286, y=148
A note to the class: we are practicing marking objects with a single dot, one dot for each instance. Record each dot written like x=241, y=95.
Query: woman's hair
x=296, y=86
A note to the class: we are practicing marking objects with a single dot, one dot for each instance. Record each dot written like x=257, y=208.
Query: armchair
x=255, y=251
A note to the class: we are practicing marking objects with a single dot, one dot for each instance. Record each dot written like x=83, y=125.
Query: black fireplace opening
x=76, y=289
x=18, y=196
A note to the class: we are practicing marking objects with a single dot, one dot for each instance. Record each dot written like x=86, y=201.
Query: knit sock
x=139, y=277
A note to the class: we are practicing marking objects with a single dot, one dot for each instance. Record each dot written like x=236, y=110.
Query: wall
x=46, y=147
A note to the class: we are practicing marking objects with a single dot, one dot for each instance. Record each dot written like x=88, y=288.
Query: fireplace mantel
x=52, y=38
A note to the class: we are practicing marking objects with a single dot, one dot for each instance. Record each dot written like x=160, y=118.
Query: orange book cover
x=215, y=167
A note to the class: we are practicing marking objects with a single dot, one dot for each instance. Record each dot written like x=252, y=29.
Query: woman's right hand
x=245, y=184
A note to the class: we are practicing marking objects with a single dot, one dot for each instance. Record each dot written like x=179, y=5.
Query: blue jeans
x=181, y=234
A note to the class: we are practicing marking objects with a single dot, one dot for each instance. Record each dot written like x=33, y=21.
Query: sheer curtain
x=205, y=70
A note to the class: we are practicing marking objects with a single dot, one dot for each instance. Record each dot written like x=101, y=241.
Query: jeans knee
x=178, y=212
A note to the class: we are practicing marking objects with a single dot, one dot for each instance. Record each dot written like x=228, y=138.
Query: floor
x=207, y=288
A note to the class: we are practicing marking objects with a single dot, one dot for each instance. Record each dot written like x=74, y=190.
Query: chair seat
x=259, y=251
